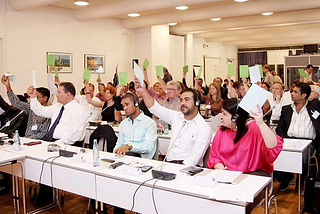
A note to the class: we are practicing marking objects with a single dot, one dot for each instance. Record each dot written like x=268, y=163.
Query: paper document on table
x=224, y=176
x=138, y=73
x=255, y=74
x=255, y=96
x=232, y=193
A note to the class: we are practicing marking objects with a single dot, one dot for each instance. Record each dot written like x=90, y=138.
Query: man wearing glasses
x=37, y=126
x=173, y=91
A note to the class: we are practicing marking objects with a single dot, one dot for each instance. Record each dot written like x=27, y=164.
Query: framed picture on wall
x=62, y=61
x=94, y=63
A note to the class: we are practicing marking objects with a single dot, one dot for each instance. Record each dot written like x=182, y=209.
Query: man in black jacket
x=299, y=120
x=19, y=123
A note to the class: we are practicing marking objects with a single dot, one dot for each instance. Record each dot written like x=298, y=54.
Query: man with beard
x=191, y=135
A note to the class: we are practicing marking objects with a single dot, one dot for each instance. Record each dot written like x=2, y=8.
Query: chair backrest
x=106, y=132
x=206, y=157
x=216, y=122
x=156, y=154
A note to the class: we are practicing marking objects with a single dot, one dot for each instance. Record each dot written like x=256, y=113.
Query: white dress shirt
x=71, y=127
x=190, y=138
x=94, y=111
x=301, y=125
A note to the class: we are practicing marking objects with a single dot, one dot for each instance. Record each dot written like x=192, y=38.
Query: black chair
x=105, y=133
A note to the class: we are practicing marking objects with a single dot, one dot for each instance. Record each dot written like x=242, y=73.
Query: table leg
x=266, y=207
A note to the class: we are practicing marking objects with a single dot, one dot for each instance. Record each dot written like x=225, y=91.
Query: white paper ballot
x=255, y=74
x=255, y=96
x=13, y=78
x=138, y=72
x=34, y=82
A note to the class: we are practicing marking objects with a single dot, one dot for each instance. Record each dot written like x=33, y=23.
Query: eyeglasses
x=171, y=89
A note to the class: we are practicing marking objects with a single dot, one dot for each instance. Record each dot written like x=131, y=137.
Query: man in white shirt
x=82, y=100
x=191, y=135
x=68, y=118
x=277, y=102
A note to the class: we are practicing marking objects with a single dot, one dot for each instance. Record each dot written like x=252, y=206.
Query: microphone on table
x=64, y=152
x=8, y=124
x=167, y=176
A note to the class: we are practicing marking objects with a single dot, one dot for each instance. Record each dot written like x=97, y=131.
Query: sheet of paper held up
x=138, y=73
x=255, y=96
x=34, y=82
x=12, y=77
x=255, y=74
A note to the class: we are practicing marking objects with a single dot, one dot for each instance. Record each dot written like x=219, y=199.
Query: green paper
x=260, y=69
x=231, y=69
x=56, y=72
x=99, y=77
x=302, y=73
x=123, y=78
x=199, y=72
x=146, y=63
x=86, y=74
x=185, y=69
x=244, y=71
x=51, y=60
x=159, y=70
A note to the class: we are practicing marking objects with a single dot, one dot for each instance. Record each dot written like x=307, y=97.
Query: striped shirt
x=37, y=126
x=301, y=125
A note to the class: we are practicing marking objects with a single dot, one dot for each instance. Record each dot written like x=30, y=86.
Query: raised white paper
x=255, y=75
x=138, y=73
x=34, y=82
x=13, y=78
x=255, y=96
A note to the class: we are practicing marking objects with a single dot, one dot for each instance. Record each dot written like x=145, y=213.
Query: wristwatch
x=129, y=145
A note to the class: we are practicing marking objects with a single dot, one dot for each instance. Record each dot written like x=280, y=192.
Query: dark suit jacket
x=286, y=115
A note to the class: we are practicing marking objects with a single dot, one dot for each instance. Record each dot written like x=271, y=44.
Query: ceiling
x=294, y=22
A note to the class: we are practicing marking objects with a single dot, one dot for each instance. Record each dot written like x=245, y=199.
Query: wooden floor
x=287, y=203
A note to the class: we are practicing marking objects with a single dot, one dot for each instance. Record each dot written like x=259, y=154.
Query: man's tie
x=49, y=135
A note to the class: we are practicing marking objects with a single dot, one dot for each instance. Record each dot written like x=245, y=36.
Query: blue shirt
x=142, y=134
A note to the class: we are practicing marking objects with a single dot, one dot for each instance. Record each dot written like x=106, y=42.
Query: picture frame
x=94, y=63
x=63, y=61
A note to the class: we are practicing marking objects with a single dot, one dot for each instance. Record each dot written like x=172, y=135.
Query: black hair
x=196, y=95
x=22, y=98
x=304, y=88
x=68, y=87
x=240, y=115
x=44, y=92
x=309, y=66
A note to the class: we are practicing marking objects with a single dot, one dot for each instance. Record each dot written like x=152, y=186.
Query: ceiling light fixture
x=81, y=2
x=134, y=14
x=267, y=13
x=172, y=23
x=182, y=7
x=240, y=0
x=215, y=19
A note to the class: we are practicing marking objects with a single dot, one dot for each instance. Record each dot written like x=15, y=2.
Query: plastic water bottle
x=95, y=153
x=166, y=128
x=16, y=146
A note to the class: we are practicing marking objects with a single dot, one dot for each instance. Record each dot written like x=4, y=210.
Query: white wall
x=176, y=56
x=28, y=35
x=217, y=66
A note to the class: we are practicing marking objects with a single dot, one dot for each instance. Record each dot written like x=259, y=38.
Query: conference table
x=8, y=160
x=117, y=186
x=291, y=157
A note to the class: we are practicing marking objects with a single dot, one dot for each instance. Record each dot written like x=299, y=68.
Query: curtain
x=253, y=58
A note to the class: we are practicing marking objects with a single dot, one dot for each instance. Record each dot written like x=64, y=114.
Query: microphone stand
x=5, y=125
x=64, y=152
x=166, y=176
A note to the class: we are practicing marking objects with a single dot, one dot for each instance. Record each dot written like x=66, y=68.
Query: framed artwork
x=62, y=61
x=94, y=63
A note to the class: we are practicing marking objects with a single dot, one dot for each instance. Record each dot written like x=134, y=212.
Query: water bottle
x=95, y=153
x=208, y=110
x=166, y=128
x=16, y=146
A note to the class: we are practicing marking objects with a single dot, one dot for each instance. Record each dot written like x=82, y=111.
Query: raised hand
x=5, y=80
x=258, y=115
x=31, y=92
